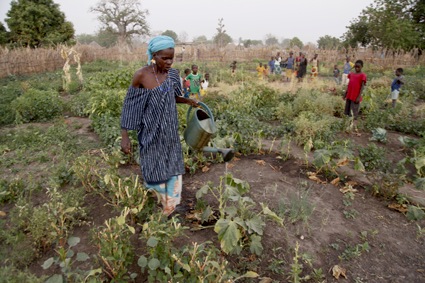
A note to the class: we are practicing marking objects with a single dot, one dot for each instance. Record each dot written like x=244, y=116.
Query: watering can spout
x=227, y=153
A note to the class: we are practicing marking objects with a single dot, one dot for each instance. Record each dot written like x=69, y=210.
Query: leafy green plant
x=373, y=158
x=238, y=225
x=159, y=261
x=36, y=105
x=115, y=250
x=415, y=213
x=65, y=258
x=379, y=135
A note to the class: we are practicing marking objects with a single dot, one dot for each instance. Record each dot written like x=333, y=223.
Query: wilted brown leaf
x=342, y=162
x=351, y=183
x=338, y=271
x=398, y=207
x=347, y=189
x=205, y=169
x=312, y=176
x=266, y=280
x=335, y=181
x=230, y=165
x=260, y=162
x=2, y=214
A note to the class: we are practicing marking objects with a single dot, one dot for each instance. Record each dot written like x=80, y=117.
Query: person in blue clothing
x=396, y=85
x=346, y=70
x=150, y=109
x=271, y=65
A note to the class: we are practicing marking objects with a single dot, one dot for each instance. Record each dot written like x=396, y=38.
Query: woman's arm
x=188, y=101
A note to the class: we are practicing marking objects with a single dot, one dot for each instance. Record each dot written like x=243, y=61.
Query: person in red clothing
x=353, y=95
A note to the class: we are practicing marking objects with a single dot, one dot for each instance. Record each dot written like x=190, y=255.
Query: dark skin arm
x=360, y=94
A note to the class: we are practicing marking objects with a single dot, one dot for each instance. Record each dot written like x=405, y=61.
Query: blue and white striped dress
x=153, y=113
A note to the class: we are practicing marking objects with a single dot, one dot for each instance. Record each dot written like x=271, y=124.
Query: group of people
x=293, y=66
x=150, y=109
x=193, y=84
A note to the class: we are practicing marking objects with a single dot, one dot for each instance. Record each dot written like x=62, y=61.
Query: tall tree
x=295, y=41
x=124, y=18
x=328, y=42
x=3, y=34
x=271, y=40
x=390, y=24
x=38, y=22
x=221, y=38
x=200, y=39
x=171, y=34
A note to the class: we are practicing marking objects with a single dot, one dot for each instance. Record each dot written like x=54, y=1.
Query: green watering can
x=200, y=128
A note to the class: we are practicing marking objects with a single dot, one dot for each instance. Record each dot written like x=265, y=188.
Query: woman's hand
x=193, y=103
x=125, y=142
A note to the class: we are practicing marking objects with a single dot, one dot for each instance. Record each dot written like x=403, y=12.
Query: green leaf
x=206, y=214
x=269, y=213
x=142, y=261
x=154, y=264
x=152, y=242
x=56, y=278
x=231, y=210
x=47, y=263
x=82, y=257
x=73, y=241
x=202, y=191
x=94, y=272
x=228, y=234
x=131, y=228
x=420, y=184
x=419, y=163
x=255, y=245
x=250, y=274
x=255, y=224
x=415, y=213
x=379, y=135
x=120, y=220
x=321, y=157
x=69, y=209
x=358, y=165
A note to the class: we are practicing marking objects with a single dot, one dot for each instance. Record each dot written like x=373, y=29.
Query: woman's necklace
x=156, y=77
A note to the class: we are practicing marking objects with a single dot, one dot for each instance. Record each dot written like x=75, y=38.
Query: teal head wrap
x=159, y=43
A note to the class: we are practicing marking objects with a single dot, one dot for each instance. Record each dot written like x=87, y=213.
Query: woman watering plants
x=150, y=109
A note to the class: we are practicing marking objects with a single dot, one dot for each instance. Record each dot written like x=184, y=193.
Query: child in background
x=336, y=75
x=186, y=83
x=195, y=81
x=233, y=67
x=396, y=85
x=260, y=71
x=271, y=65
x=353, y=95
x=204, y=85
x=347, y=68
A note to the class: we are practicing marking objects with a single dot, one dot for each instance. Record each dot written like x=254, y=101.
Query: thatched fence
x=25, y=61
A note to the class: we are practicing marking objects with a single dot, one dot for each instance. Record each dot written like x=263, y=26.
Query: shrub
x=37, y=106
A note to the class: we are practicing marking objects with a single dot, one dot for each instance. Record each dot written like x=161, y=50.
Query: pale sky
x=246, y=19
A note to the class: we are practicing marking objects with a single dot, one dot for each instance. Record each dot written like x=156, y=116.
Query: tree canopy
x=296, y=42
x=38, y=23
x=271, y=40
x=390, y=24
x=124, y=18
x=171, y=34
x=328, y=42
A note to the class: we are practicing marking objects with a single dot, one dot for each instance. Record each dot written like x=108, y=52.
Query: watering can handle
x=203, y=105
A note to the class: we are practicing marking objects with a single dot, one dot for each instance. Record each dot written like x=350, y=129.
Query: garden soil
x=332, y=235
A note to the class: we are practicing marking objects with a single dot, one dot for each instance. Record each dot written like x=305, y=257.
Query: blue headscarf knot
x=159, y=43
